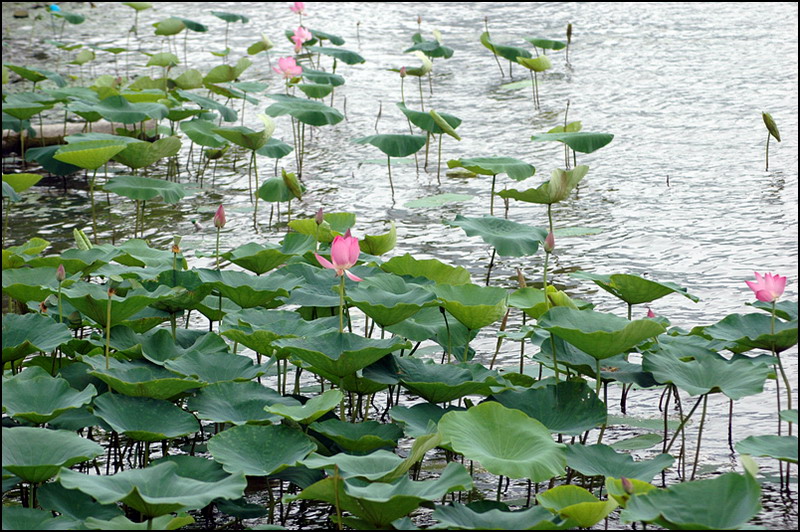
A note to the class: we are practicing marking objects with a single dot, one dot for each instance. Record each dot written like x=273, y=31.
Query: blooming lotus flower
x=219, y=218
x=300, y=36
x=288, y=68
x=768, y=288
x=299, y=8
x=344, y=254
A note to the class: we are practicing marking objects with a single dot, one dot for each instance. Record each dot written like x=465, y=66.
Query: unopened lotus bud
x=61, y=273
x=219, y=218
x=650, y=313
x=319, y=217
x=627, y=485
x=569, y=33
x=549, y=243
x=403, y=72
x=521, y=279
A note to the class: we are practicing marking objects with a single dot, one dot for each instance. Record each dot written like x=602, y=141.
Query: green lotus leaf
x=510, y=239
x=248, y=290
x=155, y=490
x=324, y=36
x=315, y=90
x=144, y=419
x=139, y=378
x=318, y=76
x=92, y=301
x=258, y=329
x=142, y=154
x=334, y=224
x=226, y=73
x=576, y=504
x=430, y=324
x=634, y=289
x=35, y=454
x=145, y=188
x=72, y=503
x=275, y=190
x=432, y=48
x=24, y=111
x=379, y=244
x=244, y=136
x=202, y=132
x=582, y=141
x=169, y=26
x=20, y=518
x=231, y=17
x=472, y=305
x=119, y=109
x=8, y=192
x=388, y=299
x=216, y=367
x=75, y=261
x=275, y=149
x=437, y=200
x=780, y=447
x=647, y=440
x=536, y=64
x=160, y=347
x=16, y=256
x=616, y=490
x=506, y=442
x=316, y=288
x=361, y=437
x=790, y=416
x=475, y=516
x=372, y=466
x=311, y=410
x=31, y=284
x=163, y=522
x=394, y=145
x=259, y=450
x=236, y=402
x=340, y=54
x=426, y=122
x=24, y=334
x=785, y=310
x=21, y=182
x=736, y=500
x=568, y=407
x=440, y=383
x=37, y=397
x=514, y=168
x=599, y=334
x=753, y=331
x=602, y=460
x=508, y=52
x=735, y=378
x=309, y=112
x=36, y=74
x=90, y=155
x=431, y=269
x=771, y=126
x=228, y=114
x=420, y=419
x=558, y=188
x=546, y=44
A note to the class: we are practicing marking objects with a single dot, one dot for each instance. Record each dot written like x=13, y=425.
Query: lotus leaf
x=582, y=141
x=779, y=447
x=144, y=419
x=439, y=383
x=508, y=52
x=259, y=450
x=576, y=504
x=312, y=410
x=139, y=378
x=536, y=64
x=24, y=334
x=37, y=397
x=225, y=73
x=163, y=522
x=247, y=290
x=558, y=188
x=19, y=518
x=361, y=437
x=431, y=269
x=514, y=168
x=308, y=112
x=394, y=145
x=634, y=289
x=753, y=331
x=372, y=466
x=420, y=419
x=73, y=503
x=145, y=188
x=602, y=460
x=92, y=301
x=228, y=114
x=90, y=155
x=202, y=132
x=345, y=56
x=388, y=299
x=475, y=516
x=318, y=76
x=36, y=454
x=474, y=306
x=510, y=239
x=426, y=122
x=236, y=402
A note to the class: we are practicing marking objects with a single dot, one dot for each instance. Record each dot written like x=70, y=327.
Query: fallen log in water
x=51, y=134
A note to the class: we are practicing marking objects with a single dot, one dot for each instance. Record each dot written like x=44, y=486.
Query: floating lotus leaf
x=340, y=54
x=506, y=442
x=259, y=450
x=72, y=503
x=536, y=64
x=35, y=454
x=475, y=516
x=514, y=168
x=388, y=299
x=568, y=407
x=510, y=239
x=311, y=410
x=247, y=290
x=474, y=306
x=576, y=504
x=420, y=419
x=340, y=354
x=236, y=402
x=37, y=397
x=437, y=200
x=558, y=188
x=141, y=154
x=598, y=334
x=508, y=52
x=92, y=301
x=309, y=112
x=144, y=419
x=202, y=132
x=432, y=269
x=394, y=145
x=155, y=490
x=753, y=331
x=591, y=460
x=440, y=383
x=426, y=122
x=582, y=141
x=90, y=155
x=145, y=188
x=736, y=500
x=139, y=378
x=634, y=289
x=361, y=437
x=24, y=334
x=779, y=447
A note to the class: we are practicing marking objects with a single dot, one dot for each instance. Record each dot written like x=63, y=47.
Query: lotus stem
x=254, y=165
x=500, y=339
x=421, y=100
x=108, y=323
x=389, y=165
x=766, y=169
x=216, y=253
x=491, y=198
x=439, y=161
x=683, y=422
x=785, y=378
x=336, y=497
x=341, y=305
x=60, y=313
x=699, y=435
x=91, y=196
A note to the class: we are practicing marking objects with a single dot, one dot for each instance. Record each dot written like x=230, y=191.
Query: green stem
x=341, y=305
x=491, y=198
x=389, y=164
x=60, y=314
x=217, y=249
x=699, y=435
x=766, y=169
x=91, y=196
x=255, y=173
x=108, y=325
x=785, y=378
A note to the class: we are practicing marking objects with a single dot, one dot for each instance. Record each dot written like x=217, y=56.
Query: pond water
x=680, y=194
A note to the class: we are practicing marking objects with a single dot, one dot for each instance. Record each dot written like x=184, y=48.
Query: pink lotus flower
x=768, y=288
x=300, y=36
x=299, y=8
x=650, y=313
x=344, y=254
x=550, y=242
x=61, y=273
x=288, y=68
x=219, y=218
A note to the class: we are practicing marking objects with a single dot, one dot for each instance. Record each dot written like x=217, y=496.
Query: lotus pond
x=399, y=266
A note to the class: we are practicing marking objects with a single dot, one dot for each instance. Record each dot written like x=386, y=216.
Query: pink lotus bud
x=61, y=273
x=298, y=7
x=650, y=313
x=319, y=217
x=219, y=218
x=627, y=485
x=549, y=243
x=403, y=72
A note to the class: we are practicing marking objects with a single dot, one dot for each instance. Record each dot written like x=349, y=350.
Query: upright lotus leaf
x=602, y=460
x=340, y=54
x=361, y=437
x=685, y=506
x=423, y=70
x=558, y=188
x=440, y=383
x=258, y=329
x=276, y=190
x=217, y=367
x=432, y=48
x=227, y=114
x=35, y=455
x=258, y=450
x=779, y=447
x=236, y=402
x=325, y=36
x=431, y=269
x=72, y=503
x=119, y=109
x=10, y=193
x=319, y=76
x=379, y=244
x=785, y=310
x=475, y=516
x=36, y=74
x=244, y=136
x=202, y=132
x=92, y=301
x=35, y=396
x=771, y=126
x=372, y=466
x=24, y=334
x=582, y=141
x=142, y=154
x=275, y=149
x=388, y=299
x=618, y=491
x=164, y=522
x=139, y=378
x=514, y=168
x=140, y=188
x=394, y=145
x=430, y=323
x=226, y=73
x=506, y=442
x=231, y=17
x=311, y=410
x=753, y=331
x=576, y=504
x=89, y=155
x=21, y=182
x=248, y=290
x=735, y=378
x=599, y=334
x=427, y=122
x=510, y=239
x=309, y=112
x=163, y=59
x=420, y=419
x=537, y=64
x=340, y=354
x=508, y=52
x=567, y=407
x=474, y=306
x=155, y=490
x=143, y=418
x=546, y=44
x=169, y=26
x=633, y=289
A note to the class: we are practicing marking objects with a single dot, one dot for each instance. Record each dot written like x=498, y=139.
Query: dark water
x=680, y=194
